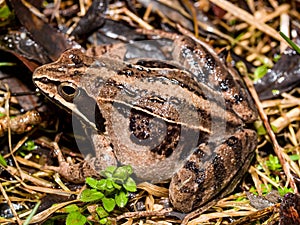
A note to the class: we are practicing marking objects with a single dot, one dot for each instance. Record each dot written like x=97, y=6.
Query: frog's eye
x=67, y=91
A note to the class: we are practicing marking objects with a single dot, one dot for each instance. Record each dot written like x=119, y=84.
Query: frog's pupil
x=68, y=90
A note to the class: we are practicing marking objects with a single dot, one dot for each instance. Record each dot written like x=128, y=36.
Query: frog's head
x=60, y=80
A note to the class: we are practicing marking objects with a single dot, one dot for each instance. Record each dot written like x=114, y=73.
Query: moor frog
x=177, y=113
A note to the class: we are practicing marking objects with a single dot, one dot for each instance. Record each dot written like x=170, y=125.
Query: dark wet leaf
x=282, y=77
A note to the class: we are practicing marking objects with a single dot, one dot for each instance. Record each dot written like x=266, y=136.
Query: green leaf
x=276, y=57
x=7, y=64
x=260, y=72
x=260, y=129
x=101, y=212
x=266, y=188
x=253, y=190
x=121, y=199
x=275, y=92
x=276, y=179
x=75, y=218
x=29, y=145
x=284, y=190
x=108, y=204
x=92, y=182
x=239, y=199
x=116, y=186
x=129, y=169
x=294, y=157
x=48, y=222
x=111, y=169
x=4, y=12
x=102, y=184
x=33, y=212
x=103, y=221
x=2, y=161
x=240, y=36
x=273, y=163
x=71, y=208
x=130, y=185
x=290, y=42
x=109, y=185
x=232, y=22
x=122, y=173
x=108, y=172
x=89, y=195
x=274, y=128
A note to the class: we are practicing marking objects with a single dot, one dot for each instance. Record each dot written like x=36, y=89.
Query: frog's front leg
x=72, y=172
x=90, y=167
x=212, y=171
x=104, y=155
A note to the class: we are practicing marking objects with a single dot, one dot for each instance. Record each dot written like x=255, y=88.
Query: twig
x=160, y=213
x=256, y=215
x=245, y=16
x=10, y=204
x=277, y=148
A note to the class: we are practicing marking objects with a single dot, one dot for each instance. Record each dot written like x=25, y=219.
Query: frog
x=178, y=113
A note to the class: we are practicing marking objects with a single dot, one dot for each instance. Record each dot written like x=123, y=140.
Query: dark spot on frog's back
x=100, y=120
x=77, y=74
x=220, y=171
x=126, y=72
x=236, y=147
x=192, y=167
x=227, y=83
x=209, y=59
x=155, y=64
x=232, y=141
x=77, y=60
x=201, y=177
x=238, y=98
x=148, y=131
x=167, y=146
x=139, y=126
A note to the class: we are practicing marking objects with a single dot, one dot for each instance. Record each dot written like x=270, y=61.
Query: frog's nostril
x=45, y=80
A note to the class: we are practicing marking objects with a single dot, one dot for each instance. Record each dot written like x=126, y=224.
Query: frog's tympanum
x=169, y=107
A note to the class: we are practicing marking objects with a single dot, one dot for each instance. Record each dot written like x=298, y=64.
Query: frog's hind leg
x=212, y=171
